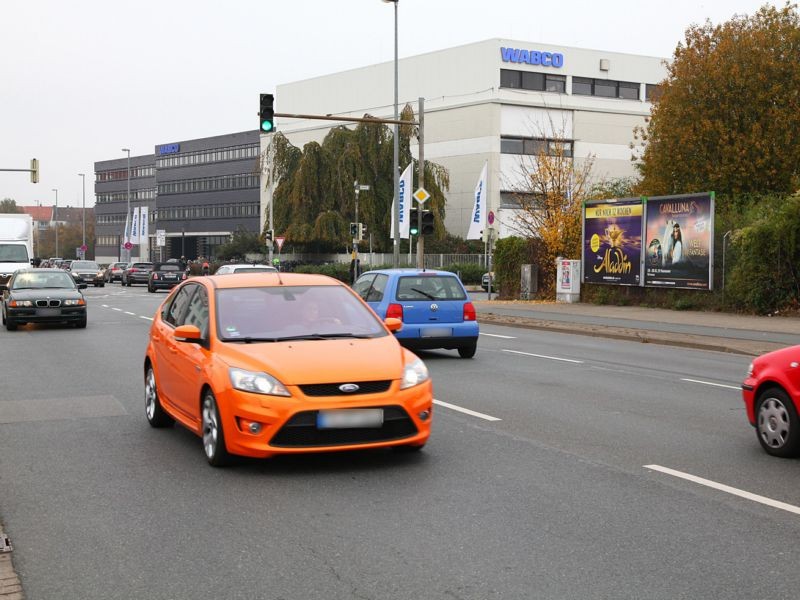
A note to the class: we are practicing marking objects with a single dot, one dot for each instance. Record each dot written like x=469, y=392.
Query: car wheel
x=469, y=350
x=213, y=434
x=81, y=324
x=777, y=425
x=150, y=289
x=156, y=415
x=4, y=315
x=11, y=324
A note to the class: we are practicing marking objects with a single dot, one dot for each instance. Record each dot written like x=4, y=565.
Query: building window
x=652, y=92
x=530, y=80
x=605, y=88
x=535, y=146
x=208, y=156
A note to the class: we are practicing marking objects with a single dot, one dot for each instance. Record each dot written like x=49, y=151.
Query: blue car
x=433, y=305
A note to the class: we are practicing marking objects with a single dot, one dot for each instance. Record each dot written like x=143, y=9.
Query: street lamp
x=83, y=182
x=128, y=210
x=396, y=161
x=55, y=218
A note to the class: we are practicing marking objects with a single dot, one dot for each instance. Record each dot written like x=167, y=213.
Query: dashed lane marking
x=466, y=411
x=569, y=360
x=722, y=385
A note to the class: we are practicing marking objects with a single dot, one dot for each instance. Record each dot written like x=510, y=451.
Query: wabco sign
x=532, y=57
x=169, y=148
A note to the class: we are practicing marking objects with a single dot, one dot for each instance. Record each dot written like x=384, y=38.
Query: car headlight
x=750, y=370
x=414, y=374
x=24, y=303
x=78, y=302
x=258, y=383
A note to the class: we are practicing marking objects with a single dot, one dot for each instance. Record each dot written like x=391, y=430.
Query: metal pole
x=724, y=240
x=55, y=219
x=128, y=213
x=421, y=184
x=396, y=161
x=83, y=185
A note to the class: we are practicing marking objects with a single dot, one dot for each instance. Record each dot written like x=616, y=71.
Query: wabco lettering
x=532, y=57
x=401, y=201
x=476, y=218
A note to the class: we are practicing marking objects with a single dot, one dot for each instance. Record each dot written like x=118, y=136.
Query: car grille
x=332, y=389
x=46, y=303
x=301, y=431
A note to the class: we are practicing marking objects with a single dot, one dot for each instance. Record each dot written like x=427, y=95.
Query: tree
x=728, y=117
x=241, y=244
x=9, y=205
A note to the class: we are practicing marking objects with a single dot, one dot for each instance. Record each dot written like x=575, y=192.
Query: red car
x=771, y=394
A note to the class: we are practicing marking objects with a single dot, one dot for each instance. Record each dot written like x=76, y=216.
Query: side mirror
x=394, y=325
x=188, y=333
x=82, y=286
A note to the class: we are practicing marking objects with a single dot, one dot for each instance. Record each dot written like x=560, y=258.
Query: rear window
x=169, y=267
x=142, y=265
x=430, y=287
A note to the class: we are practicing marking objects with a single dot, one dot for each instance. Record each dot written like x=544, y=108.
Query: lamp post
x=83, y=185
x=55, y=218
x=396, y=161
x=128, y=209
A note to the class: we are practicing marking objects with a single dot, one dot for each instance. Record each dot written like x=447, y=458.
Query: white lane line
x=106, y=306
x=148, y=318
x=722, y=385
x=466, y=411
x=726, y=488
x=130, y=313
x=117, y=309
x=497, y=335
x=569, y=360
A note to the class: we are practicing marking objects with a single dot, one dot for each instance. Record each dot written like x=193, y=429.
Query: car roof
x=247, y=266
x=240, y=280
x=412, y=272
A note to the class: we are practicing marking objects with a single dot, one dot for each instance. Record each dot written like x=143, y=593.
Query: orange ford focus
x=264, y=364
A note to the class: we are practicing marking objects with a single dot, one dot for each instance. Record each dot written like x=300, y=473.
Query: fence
x=375, y=259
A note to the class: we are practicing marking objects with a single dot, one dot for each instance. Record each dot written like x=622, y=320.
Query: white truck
x=16, y=244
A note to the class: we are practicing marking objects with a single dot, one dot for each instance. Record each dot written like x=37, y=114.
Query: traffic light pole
x=421, y=184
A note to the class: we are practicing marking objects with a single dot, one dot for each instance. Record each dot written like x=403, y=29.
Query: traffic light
x=266, y=113
x=269, y=235
x=427, y=222
x=414, y=221
x=34, y=170
x=354, y=230
x=362, y=231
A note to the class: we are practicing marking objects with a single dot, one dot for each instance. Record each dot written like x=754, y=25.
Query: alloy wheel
x=773, y=423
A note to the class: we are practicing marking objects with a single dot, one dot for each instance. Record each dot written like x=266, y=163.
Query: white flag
x=404, y=203
x=135, y=226
x=478, y=221
x=144, y=230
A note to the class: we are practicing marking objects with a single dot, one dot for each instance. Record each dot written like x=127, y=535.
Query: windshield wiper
x=426, y=294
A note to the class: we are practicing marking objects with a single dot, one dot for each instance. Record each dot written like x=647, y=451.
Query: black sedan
x=43, y=296
x=165, y=276
x=87, y=271
x=138, y=272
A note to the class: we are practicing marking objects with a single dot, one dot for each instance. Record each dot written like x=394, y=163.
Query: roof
x=38, y=213
x=240, y=280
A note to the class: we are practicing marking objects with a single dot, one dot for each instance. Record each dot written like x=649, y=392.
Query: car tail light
x=155, y=275
x=183, y=276
x=133, y=270
x=469, y=312
x=395, y=311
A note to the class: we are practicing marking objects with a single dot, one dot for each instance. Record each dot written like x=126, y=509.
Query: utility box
x=568, y=280
x=529, y=281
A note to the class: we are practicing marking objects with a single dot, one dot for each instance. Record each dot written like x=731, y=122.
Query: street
x=556, y=469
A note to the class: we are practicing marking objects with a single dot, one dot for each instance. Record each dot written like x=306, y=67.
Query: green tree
x=241, y=244
x=728, y=118
x=9, y=205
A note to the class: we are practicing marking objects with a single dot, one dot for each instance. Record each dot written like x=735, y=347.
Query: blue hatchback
x=433, y=305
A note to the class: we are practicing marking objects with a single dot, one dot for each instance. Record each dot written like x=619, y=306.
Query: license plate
x=48, y=312
x=170, y=276
x=350, y=418
x=436, y=332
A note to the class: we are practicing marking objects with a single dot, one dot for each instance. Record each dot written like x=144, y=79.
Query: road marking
x=722, y=385
x=148, y=318
x=117, y=309
x=728, y=489
x=130, y=313
x=505, y=337
x=466, y=411
x=106, y=306
x=569, y=360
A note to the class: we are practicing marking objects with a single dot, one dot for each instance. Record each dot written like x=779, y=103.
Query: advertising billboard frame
x=637, y=264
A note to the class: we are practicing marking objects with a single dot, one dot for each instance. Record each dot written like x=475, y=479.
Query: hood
x=45, y=293
x=321, y=361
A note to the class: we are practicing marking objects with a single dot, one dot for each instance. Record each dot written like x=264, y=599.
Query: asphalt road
x=557, y=484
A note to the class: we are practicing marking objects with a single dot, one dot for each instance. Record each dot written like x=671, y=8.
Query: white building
x=494, y=101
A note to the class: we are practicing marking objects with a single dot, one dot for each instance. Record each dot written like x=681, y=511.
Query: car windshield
x=430, y=287
x=13, y=253
x=272, y=314
x=85, y=264
x=43, y=280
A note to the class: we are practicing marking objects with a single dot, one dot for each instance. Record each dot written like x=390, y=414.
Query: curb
x=644, y=336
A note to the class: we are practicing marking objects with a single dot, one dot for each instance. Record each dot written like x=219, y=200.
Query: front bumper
x=749, y=396
x=61, y=314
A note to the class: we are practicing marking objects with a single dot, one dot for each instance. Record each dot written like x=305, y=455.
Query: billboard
x=679, y=241
x=612, y=241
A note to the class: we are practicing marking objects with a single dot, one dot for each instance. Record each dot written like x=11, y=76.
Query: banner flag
x=135, y=226
x=144, y=230
x=404, y=203
x=478, y=222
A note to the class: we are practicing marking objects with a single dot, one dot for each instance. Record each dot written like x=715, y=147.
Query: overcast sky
x=81, y=79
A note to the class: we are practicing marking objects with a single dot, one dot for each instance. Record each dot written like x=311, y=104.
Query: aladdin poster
x=679, y=250
x=612, y=242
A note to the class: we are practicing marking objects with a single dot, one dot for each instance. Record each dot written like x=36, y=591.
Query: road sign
x=421, y=195
x=84, y=247
x=161, y=237
x=491, y=218
x=279, y=241
x=363, y=188
x=128, y=245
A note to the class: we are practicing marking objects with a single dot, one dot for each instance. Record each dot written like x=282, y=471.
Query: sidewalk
x=725, y=332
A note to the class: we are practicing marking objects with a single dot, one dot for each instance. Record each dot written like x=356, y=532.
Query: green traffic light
x=266, y=125
x=414, y=230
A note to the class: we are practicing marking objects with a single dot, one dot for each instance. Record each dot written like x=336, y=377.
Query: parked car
x=43, y=296
x=486, y=279
x=771, y=393
x=244, y=268
x=114, y=271
x=87, y=271
x=165, y=276
x=259, y=366
x=433, y=306
x=138, y=272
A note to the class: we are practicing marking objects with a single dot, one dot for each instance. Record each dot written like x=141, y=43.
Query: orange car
x=263, y=364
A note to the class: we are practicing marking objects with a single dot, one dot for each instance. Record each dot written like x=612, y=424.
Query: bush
x=340, y=271
x=471, y=274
